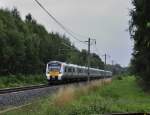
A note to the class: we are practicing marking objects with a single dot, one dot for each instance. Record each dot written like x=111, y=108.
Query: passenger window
x=69, y=70
x=65, y=69
x=73, y=70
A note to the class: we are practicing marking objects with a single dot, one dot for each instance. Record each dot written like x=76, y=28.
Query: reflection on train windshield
x=54, y=67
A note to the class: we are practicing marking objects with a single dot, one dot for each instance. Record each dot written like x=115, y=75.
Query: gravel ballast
x=22, y=97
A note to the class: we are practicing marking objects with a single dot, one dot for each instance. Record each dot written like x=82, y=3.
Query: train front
x=54, y=71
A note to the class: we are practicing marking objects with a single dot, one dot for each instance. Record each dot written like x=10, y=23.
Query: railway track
x=15, y=97
x=17, y=89
x=21, y=95
x=24, y=88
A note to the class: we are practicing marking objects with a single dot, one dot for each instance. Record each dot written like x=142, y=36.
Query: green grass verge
x=21, y=80
x=119, y=96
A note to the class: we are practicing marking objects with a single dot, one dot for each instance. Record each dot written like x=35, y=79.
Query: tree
x=29, y=17
x=140, y=33
x=26, y=46
x=16, y=13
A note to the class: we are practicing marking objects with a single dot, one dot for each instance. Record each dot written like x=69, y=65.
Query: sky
x=103, y=20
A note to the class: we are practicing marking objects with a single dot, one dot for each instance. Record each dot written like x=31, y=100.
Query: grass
x=97, y=98
x=21, y=80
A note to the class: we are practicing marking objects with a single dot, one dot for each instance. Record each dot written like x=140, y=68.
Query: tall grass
x=69, y=94
x=21, y=80
x=96, y=98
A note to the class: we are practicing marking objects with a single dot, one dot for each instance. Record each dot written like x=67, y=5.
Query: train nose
x=54, y=73
x=54, y=78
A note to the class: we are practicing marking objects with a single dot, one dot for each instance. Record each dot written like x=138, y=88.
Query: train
x=61, y=71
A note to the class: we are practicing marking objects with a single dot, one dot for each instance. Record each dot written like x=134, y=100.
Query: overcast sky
x=104, y=20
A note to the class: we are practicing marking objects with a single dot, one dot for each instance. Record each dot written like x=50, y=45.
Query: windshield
x=54, y=67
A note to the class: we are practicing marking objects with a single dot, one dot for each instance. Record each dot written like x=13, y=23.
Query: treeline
x=26, y=46
x=140, y=33
x=117, y=69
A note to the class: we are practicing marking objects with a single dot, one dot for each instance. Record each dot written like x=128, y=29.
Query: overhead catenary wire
x=70, y=32
x=100, y=54
x=60, y=24
x=97, y=51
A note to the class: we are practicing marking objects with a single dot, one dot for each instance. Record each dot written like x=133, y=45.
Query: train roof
x=73, y=65
x=55, y=62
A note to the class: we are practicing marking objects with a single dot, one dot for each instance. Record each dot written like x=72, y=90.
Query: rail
x=17, y=89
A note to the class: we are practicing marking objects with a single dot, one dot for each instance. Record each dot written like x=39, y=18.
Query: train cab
x=54, y=70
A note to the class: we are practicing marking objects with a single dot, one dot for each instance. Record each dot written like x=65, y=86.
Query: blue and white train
x=60, y=71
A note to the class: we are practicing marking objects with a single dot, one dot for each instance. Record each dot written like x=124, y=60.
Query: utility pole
x=105, y=59
x=105, y=55
x=112, y=62
x=89, y=40
x=89, y=46
x=112, y=66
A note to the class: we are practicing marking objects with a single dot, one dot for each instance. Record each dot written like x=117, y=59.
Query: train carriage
x=60, y=71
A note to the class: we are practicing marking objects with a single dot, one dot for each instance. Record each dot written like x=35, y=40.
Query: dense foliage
x=20, y=80
x=140, y=32
x=26, y=46
x=116, y=69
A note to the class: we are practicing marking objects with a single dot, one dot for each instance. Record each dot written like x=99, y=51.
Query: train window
x=65, y=69
x=86, y=71
x=73, y=69
x=78, y=70
x=69, y=70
